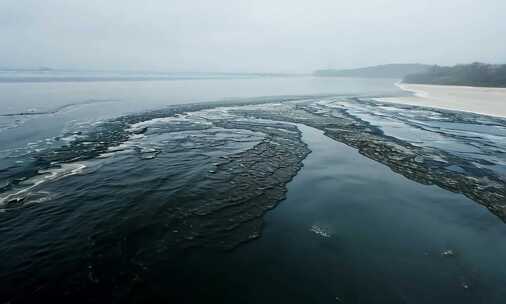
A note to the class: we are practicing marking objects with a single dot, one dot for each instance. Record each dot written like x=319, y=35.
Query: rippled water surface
x=247, y=190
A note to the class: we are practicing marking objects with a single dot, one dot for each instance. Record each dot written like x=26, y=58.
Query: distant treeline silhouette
x=475, y=74
x=398, y=70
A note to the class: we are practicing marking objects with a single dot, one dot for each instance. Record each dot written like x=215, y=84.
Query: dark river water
x=249, y=190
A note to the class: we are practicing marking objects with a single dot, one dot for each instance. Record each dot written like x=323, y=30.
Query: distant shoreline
x=479, y=100
x=475, y=74
x=19, y=76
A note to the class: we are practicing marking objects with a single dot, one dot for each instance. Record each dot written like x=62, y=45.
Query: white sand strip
x=488, y=101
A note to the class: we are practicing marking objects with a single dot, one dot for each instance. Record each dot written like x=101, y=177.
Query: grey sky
x=253, y=35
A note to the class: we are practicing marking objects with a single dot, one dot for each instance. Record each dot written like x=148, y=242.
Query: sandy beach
x=488, y=101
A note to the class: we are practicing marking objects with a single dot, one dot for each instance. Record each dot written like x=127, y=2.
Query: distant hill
x=475, y=74
x=379, y=71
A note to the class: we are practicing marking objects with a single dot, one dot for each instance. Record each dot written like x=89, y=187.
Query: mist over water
x=293, y=36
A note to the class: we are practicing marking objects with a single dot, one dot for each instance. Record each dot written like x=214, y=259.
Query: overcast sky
x=248, y=35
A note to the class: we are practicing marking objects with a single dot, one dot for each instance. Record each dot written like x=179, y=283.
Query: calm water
x=108, y=195
x=365, y=235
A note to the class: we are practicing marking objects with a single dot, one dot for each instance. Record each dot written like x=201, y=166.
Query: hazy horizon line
x=45, y=68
